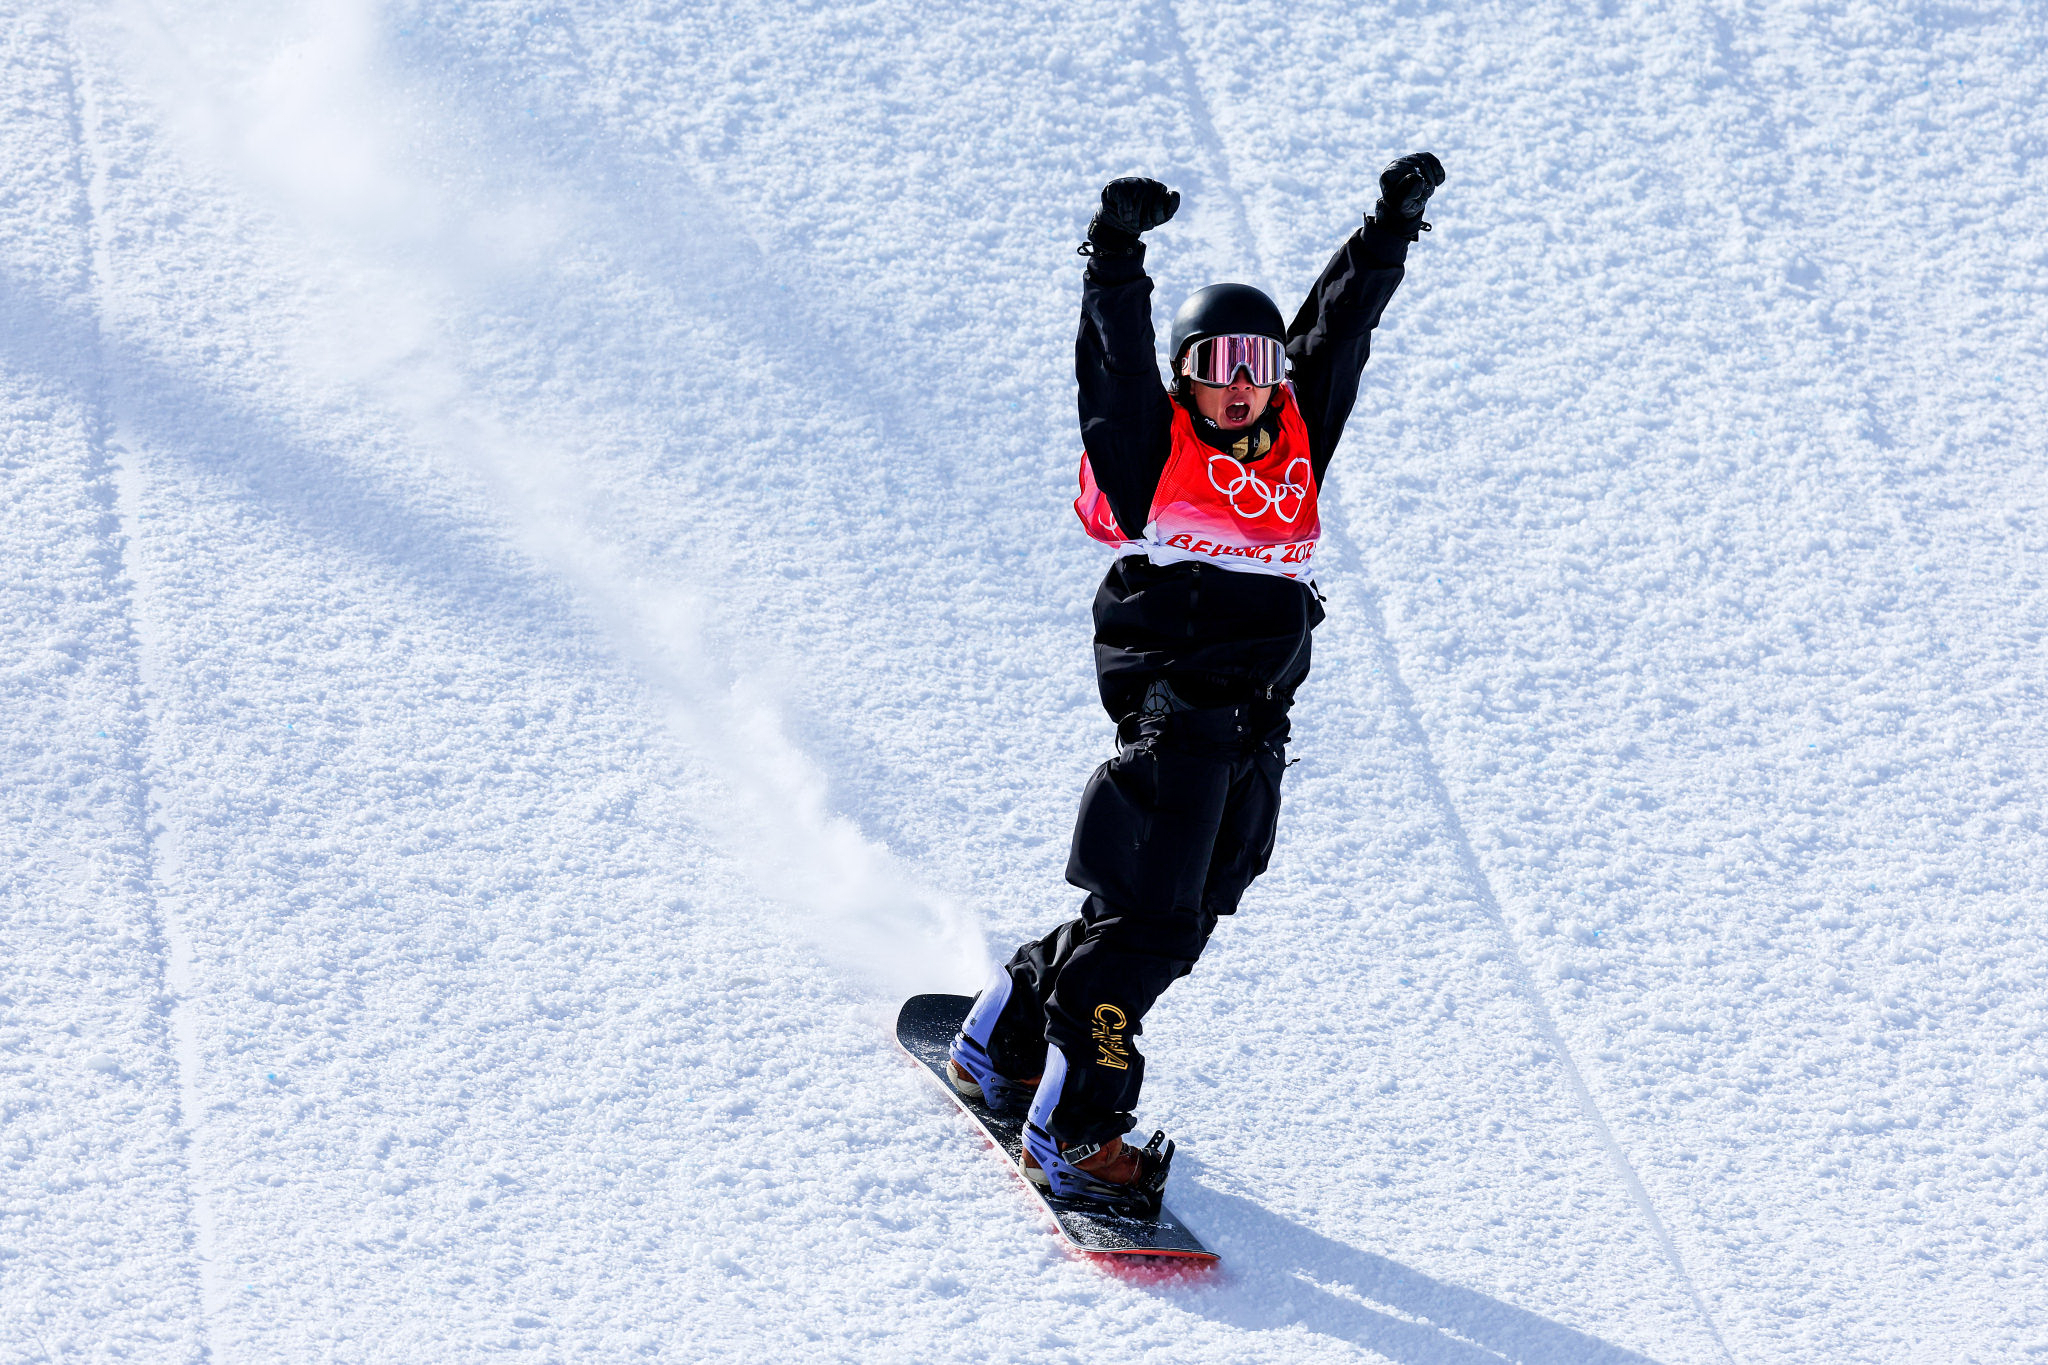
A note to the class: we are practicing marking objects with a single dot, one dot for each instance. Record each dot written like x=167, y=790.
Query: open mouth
x=1237, y=414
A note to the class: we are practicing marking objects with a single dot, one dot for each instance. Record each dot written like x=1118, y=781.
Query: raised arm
x=1331, y=337
x=1126, y=416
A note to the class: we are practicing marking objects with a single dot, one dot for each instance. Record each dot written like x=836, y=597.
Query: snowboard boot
x=970, y=1066
x=1112, y=1176
x=1109, y=1176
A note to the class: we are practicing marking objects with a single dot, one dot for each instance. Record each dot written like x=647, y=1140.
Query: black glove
x=1130, y=206
x=1405, y=187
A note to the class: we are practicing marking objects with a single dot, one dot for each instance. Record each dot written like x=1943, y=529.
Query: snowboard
x=924, y=1029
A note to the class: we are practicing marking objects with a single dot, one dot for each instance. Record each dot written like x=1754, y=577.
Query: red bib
x=1212, y=509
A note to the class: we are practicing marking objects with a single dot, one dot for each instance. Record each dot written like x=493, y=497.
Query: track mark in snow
x=160, y=845
x=1211, y=141
x=1409, y=721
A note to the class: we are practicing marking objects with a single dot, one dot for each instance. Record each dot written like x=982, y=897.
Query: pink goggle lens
x=1216, y=360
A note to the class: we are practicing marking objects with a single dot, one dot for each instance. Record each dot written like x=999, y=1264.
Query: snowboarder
x=1208, y=491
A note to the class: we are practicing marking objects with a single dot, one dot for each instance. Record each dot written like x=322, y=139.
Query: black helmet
x=1224, y=310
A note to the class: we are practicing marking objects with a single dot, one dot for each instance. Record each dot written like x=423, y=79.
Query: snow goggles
x=1216, y=360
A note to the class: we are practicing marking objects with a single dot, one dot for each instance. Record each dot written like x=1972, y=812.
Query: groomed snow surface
x=540, y=603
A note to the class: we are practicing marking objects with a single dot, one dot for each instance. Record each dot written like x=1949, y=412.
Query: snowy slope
x=546, y=605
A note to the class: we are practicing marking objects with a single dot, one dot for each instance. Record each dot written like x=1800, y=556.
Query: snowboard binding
x=972, y=1072
x=1069, y=1184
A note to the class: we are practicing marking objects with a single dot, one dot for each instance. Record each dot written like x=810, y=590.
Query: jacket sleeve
x=1126, y=416
x=1331, y=337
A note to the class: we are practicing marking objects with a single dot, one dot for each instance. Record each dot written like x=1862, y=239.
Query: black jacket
x=1213, y=631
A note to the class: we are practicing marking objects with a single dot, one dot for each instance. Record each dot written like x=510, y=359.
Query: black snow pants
x=1170, y=833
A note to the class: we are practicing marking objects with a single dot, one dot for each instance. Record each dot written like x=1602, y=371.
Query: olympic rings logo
x=1269, y=497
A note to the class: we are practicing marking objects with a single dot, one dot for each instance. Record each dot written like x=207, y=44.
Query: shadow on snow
x=1280, y=1274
